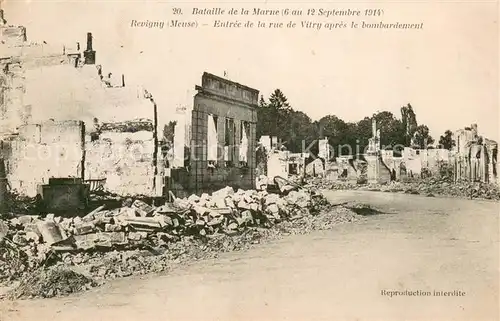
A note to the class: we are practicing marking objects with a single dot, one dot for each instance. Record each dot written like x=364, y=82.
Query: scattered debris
x=129, y=126
x=430, y=187
x=47, y=283
x=137, y=238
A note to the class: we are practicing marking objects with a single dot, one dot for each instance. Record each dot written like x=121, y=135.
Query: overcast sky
x=448, y=71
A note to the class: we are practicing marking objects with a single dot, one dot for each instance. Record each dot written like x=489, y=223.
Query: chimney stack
x=89, y=41
x=89, y=53
x=123, y=80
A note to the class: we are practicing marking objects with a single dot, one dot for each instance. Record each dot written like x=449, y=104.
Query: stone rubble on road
x=432, y=186
x=138, y=238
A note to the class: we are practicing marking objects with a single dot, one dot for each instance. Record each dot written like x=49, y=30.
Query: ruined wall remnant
x=474, y=157
x=62, y=149
x=315, y=168
x=223, y=129
x=434, y=158
x=35, y=89
x=297, y=163
x=346, y=169
x=491, y=147
x=41, y=82
x=388, y=158
x=11, y=35
x=277, y=164
x=34, y=77
x=377, y=171
x=325, y=151
x=374, y=141
x=393, y=163
x=332, y=171
x=42, y=151
x=124, y=159
x=417, y=162
x=412, y=162
x=12, y=111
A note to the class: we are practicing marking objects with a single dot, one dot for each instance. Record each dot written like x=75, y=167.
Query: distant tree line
x=277, y=118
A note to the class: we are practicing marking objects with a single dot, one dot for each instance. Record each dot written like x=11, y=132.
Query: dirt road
x=421, y=244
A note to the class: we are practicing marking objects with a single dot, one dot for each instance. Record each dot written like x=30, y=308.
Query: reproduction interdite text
x=439, y=293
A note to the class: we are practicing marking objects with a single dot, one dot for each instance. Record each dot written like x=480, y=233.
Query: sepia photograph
x=249, y=160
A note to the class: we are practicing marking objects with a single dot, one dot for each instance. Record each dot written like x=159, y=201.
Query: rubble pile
x=435, y=186
x=161, y=256
x=428, y=187
x=138, y=238
x=16, y=203
x=51, y=282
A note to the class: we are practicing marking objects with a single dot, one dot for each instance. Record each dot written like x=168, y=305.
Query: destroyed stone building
x=223, y=138
x=61, y=115
x=50, y=91
x=475, y=157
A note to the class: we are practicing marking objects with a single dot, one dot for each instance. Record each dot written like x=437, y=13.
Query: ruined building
x=377, y=169
x=475, y=157
x=61, y=115
x=223, y=138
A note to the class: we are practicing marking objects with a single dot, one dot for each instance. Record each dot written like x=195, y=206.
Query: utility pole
x=3, y=185
x=148, y=95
